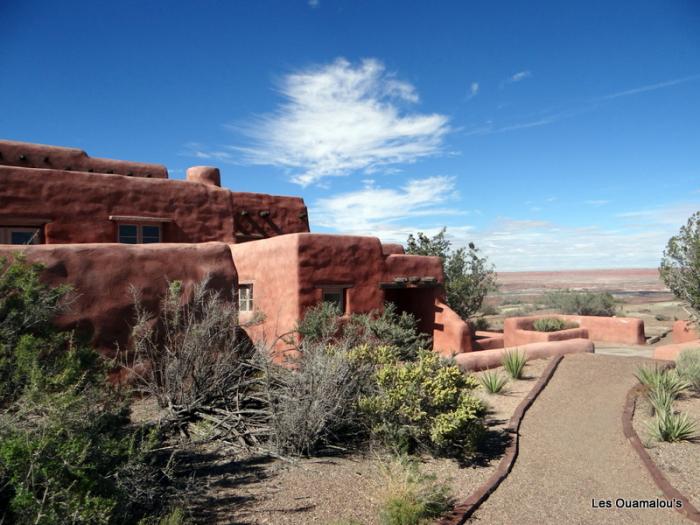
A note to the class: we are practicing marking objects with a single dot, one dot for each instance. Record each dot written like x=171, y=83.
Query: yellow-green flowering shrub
x=425, y=403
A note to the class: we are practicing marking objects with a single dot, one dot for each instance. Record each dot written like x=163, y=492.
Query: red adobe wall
x=484, y=359
x=78, y=206
x=683, y=331
x=271, y=266
x=626, y=330
x=101, y=276
x=671, y=352
x=290, y=271
x=28, y=155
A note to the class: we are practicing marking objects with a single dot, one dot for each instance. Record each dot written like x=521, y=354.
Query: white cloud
x=596, y=202
x=314, y=3
x=340, y=118
x=473, y=90
x=520, y=75
x=376, y=211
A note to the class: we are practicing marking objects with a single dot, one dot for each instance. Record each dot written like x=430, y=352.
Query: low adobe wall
x=671, y=352
x=625, y=330
x=451, y=334
x=102, y=275
x=684, y=331
x=486, y=340
x=493, y=358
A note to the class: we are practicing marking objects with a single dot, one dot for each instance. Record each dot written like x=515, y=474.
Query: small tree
x=468, y=275
x=680, y=265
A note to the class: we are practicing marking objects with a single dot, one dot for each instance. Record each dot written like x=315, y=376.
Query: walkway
x=572, y=450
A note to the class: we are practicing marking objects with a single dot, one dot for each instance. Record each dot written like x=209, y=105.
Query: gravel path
x=572, y=451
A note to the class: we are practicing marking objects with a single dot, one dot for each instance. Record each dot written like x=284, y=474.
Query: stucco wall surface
x=626, y=330
x=684, y=332
x=671, y=352
x=28, y=155
x=492, y=358
x=78, y=207
x=101, y=276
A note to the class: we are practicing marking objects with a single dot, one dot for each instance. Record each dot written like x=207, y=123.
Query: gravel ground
x=327, y=490
x=680, y=462
x=572, y=451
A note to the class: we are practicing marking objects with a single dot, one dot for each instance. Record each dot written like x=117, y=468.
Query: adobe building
x=107, y=227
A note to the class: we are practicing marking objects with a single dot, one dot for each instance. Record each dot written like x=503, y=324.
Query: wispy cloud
x=314, y=3
x=650, y=87
x=552, y=116
x=518, y=77
x=473, y=90
x=374, y=210
x=596, y=202
x=339, y=118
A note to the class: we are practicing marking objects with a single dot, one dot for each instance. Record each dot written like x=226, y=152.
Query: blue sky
x=553, y=134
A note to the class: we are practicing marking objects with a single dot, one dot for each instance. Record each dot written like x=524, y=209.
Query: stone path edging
x=669, y=491
x=462, y=511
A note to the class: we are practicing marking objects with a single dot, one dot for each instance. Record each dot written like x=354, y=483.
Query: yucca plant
x=514, y=363
x=672, y=427
x=657, y=379
x=493, y=382
x=661, y=401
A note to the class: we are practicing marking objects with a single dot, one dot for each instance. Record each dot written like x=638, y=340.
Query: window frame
x=7, y=231
x=249, y=300
x=336, y=290
x=139, y=232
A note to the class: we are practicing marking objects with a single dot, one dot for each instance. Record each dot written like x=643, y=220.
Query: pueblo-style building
x=107, y=227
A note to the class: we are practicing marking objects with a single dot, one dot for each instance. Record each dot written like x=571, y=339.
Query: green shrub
x=321, y=324
x=688, y=366
x=481, y=324
x=552, y=324
x=514, y=363
x=672, y=427
x=67, y=451
x=427, y=403
x=411, y=497
x=493, y=382
x=680, y=265
x=489, y=309
x=662, y=317
x=661, y=401
x=582, y=303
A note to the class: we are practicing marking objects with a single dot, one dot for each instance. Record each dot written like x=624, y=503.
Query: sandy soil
x=342, y=487
x=680, y=462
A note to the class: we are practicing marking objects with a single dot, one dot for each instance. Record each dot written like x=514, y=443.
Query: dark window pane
x=150, y=234
x=22, y=237
x=335, y=298
x=128, y=234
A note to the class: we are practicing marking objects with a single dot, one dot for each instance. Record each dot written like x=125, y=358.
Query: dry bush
x=314, y=404
x=195, y=361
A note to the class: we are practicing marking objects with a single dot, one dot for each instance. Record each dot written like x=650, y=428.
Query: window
x=139, y=234
x=335, y=296
x=20, y=235
x=245, y=297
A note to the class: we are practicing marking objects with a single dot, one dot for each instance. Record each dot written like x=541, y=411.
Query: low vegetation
x=514, y=362
x=552, y=324
x=68, y=452
x=688, y=366
x=662, y=387
x=493, y=382
x=581, y=303
x=411, y=497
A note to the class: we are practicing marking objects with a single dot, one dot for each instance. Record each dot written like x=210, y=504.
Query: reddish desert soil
x=341, y=488
x=680, y=462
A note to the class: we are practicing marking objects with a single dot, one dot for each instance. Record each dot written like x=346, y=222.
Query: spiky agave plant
x=672, y=427
x=514, y=363
x=493, y=382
